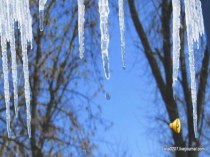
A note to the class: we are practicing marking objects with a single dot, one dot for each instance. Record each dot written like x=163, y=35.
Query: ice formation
x=176, y=39
x=81, y=21
x=12, y=11
x=41, y=13
x=104, y=12
x=122, y=30
x=195, y=29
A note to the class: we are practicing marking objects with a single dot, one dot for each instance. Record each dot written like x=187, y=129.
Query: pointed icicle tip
x=106, y=66
x=29, y=127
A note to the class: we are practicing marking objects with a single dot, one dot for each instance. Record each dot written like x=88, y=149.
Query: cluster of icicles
x=12, y=13
x=104, y=13
x=17, y=12
x=195, y=29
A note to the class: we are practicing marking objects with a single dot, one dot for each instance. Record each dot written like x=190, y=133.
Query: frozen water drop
x=107, y=96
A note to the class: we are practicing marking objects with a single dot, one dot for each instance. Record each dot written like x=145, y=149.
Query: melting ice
x=12, y=11
x=195, y=29
x=104, y=12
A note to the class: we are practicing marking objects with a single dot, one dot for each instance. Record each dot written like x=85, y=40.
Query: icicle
x=122, y=30
x=104, y=12
x=193, y=88
x=11, y=39
x=6, y=82
x=14, y=69
x=4, y=26
x=41, y=13
x=176, y=38
x=11, y=11
x=27, y=86
x=26, y=37
x=81, y=21
x=195, y=29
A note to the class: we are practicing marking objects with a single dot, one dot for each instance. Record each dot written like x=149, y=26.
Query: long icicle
x=81, y=21
x=104, y=12
x=195, y=29
x=14, y=70
x=11, y=13
x=176, y=38
x=6, y=83
x=122, y=30
x=4, y=22
x=25, y=37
